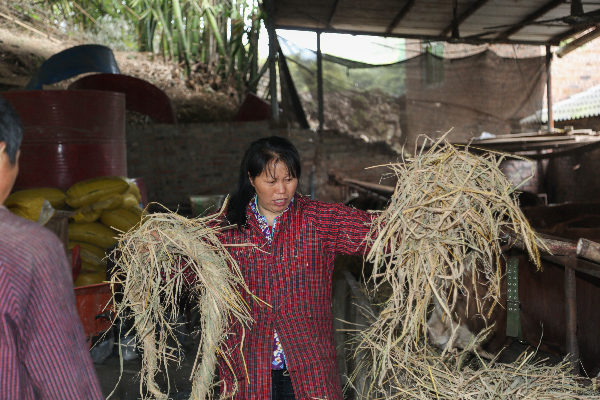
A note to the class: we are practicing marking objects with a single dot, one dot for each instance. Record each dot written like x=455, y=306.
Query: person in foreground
x=289, y=351
x=43, y=351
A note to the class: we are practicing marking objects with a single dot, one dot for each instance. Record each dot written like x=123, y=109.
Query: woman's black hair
x=262, y=153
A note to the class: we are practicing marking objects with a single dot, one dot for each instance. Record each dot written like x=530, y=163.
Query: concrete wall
x=194, y=159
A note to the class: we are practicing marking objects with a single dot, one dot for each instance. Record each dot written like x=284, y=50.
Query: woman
x=288, y=352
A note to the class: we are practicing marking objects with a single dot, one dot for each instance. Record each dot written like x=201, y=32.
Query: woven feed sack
x=94, y=233
x=87, y=278
x=122, y=219
x=89, y=252
x=56, y=197
x=90, y=267
x=133, y=190
x=30, y=208
x=92, y=212
x=90, y=191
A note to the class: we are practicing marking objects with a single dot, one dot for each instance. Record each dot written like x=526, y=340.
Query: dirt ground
x=202, y=98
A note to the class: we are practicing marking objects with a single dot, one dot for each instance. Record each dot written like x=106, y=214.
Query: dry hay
x=153, y=278
x=449, y=206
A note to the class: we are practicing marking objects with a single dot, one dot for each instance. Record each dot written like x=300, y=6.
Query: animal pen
x=393, y=359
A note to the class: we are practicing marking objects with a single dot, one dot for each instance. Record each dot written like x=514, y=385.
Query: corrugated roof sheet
x=498, y=21
x=581, y=105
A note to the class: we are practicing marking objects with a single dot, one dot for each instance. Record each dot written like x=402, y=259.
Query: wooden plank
x=526, y=139
x=577, y=264
x=571, y=318
x=371, y=186
x=333, y=9
x=588, y=249
x=548, y=245
x=464, y=15
x=401, y=14
x=577, y=43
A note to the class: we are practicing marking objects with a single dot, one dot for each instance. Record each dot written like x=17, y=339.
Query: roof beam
x=580, y=41
x=407, y=6
x=332, y=13
x=530, y=18
x=555, y=40
x=432, y=38
x=466, y=14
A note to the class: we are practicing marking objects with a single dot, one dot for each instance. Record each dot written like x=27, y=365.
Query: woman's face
x=274, y=189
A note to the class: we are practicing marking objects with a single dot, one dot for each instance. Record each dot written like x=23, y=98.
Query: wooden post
x=588, y=249
x=549, y=88
x=320, y=83
x=571, y=318
x=272, y=61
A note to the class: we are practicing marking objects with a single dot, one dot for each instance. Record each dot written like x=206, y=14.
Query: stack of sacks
x=103, y=208
x=36, y=204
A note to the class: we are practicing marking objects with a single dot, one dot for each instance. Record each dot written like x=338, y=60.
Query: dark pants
x=282, y=385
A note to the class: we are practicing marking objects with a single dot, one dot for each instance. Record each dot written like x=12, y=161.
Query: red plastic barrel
x=69, y=136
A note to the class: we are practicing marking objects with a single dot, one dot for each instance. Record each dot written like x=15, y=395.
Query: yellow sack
x=37, y=210
x=87, y=278
x=136, y=210
x=133, y=189
x=94, y=233
x=92, y=212
x=122, y=219
x=17, y=211
x=85, y=217
x=129, y=200
x=90, y=191
x=91, y=267
x=56, y=197
x=89, y=252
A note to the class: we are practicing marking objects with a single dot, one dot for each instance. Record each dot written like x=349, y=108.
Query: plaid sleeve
x=345, y=229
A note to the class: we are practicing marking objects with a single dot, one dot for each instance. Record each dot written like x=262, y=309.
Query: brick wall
x=576, y=72
x=194, y=159
x=519, y=173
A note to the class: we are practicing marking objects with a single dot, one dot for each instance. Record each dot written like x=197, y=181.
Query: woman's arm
x=345, y=230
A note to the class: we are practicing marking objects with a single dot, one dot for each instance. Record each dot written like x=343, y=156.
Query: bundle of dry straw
x=448, y=204
x=151, y=265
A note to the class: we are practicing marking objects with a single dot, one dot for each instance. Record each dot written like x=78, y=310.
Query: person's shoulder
x=25, y=234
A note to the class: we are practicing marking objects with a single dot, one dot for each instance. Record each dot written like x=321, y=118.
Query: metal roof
x=435, y=19
x=580, y=105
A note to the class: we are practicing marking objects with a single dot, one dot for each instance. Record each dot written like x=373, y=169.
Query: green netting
x=425, y=94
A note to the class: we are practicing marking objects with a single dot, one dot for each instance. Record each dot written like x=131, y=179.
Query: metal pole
x=312, y=182
x=272, y=63
x=571, y=317
x=320, y=83
x=549, y=88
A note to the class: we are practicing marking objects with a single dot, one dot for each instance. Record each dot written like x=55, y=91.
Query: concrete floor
x=128, y=386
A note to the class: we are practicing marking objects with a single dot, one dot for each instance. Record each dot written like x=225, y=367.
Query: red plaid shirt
x=300, y=259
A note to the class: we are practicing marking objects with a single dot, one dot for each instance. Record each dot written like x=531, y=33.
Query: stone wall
x=177, y=161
